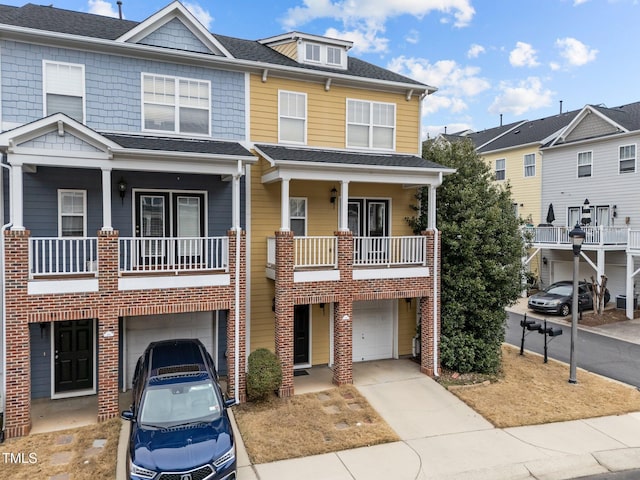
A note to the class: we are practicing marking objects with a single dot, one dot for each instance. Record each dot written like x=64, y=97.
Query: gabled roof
x=534, y=132
x=622, y=119
x=480, y=139
x=55, y=20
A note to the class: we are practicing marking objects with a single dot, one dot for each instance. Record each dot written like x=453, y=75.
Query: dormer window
x=334, y=56
x=312, y=53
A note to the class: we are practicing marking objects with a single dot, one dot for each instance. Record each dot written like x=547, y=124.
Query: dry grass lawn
x=46, y=452
x=530, y=392
x=310, y=424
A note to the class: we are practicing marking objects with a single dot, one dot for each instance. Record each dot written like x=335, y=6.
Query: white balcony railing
x=633, y=242
x=62, y=256
x=389, y=251
x=310, y=252
x=560, y=235
x=179, y=254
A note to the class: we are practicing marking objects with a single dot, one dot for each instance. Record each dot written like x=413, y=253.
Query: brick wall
x=343, y=293
x=107, y=305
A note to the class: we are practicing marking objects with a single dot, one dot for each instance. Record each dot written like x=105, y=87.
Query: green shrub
x=265, y=374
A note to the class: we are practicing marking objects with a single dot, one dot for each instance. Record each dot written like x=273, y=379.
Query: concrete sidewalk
x=442, y=438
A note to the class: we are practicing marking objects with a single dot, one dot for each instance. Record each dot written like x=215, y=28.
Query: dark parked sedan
x=557, y=298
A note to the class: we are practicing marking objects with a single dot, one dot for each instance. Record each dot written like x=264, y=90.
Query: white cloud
x=100, y=7
x=528, y=94
x=575, y=52
x=523, y=55
x=579, y=2
x=358, y=17
x=413, y=36
x=203, y=16
x=475, y=50
x=364, y=39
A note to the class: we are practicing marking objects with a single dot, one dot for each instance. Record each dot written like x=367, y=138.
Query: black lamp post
x=577, y=237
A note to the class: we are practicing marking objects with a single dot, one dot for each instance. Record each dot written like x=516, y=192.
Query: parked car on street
x=180, y=428
x=557, y=298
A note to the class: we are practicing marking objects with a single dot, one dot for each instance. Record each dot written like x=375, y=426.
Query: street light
x=577, y=237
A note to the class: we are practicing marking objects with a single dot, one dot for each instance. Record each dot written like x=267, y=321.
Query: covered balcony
x=600, y=237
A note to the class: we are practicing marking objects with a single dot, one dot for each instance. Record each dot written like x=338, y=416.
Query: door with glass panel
x=368, y=221
x=189, y=229
x=153, y=227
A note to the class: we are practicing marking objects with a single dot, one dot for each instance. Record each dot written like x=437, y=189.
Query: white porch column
x=17, y=197
x=431, y=214
x=629, y=290
x=106, y=200
x=600, y=259
x=344, y=206
x=235, y=203
x=284, y=205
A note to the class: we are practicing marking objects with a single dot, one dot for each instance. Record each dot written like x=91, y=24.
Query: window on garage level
x=64, y=89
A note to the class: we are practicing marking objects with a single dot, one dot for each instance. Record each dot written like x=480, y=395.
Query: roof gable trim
x=173, y=11
x=584, y=113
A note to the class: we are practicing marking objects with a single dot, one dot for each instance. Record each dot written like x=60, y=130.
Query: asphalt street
x=596, y=353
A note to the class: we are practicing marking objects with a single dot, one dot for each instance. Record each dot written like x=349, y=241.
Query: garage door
x=373, y=328
x=141, y=331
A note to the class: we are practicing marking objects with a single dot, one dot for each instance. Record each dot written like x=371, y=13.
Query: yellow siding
x=406, y=326
x=525, y=191
x=322, y=219
x=326, y=112
x=288, y=49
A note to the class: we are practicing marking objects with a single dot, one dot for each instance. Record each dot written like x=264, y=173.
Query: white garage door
x=141, y=331
x=373, y=326
x=616, y=275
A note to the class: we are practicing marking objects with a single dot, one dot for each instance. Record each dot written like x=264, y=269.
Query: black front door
x=73, y=355
x=300, y=334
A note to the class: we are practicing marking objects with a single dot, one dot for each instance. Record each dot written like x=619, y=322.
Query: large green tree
x=482, y=250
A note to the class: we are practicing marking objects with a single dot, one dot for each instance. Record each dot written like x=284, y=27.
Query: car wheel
x=564, y=310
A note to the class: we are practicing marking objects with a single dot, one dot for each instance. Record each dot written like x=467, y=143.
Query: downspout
x=236, y=226
x=436, y=266
x=3, y=392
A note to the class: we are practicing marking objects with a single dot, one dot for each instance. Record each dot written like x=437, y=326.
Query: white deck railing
x=62, y=256
x=633, y=242
x=389, y=251
x=179, y=254
x=309, y=252
x=560, y=235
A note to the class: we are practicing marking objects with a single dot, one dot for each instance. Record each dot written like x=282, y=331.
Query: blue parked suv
x=180, y=429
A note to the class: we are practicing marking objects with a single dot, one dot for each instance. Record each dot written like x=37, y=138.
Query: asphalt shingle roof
x=345, y=158
x=96, y=26
x=211, y=147
x=627, y=116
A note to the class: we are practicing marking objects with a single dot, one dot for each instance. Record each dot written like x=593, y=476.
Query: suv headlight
x=228, y=456
x=141, y=472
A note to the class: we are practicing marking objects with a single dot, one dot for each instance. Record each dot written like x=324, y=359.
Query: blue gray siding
x=113, y=88
x=175, y=35
x=40, y=344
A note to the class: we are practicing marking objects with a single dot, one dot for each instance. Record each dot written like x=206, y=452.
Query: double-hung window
x=334, y=56
x=298, y=216
x=312, y=52
x=627, y=159
x=501, y=169
x=64, y=89
x=176, y=105
x=530, y=165
x=585, y=163
x=371, y=125
x=72, y=209
x=292, y=110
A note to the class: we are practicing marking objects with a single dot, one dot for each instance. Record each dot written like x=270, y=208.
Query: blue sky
x=518, y=58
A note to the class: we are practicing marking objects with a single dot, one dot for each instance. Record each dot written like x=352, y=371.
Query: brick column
x=240, y=349
x=284, y=309
x=428, y=351
x=18, y=367
x=108, y=328
x=343, y=313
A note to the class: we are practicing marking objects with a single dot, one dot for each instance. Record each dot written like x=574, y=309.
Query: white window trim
x=504, y=169
x=311, y=60
x=594, y=215
x=335, y=64
x=305, y=119
x=306, y=216
x=371, y=125
x=635, y=159
x=44, y=86
x=569, y=210
x=61, y=192
x=524, y=164
x=578, y=164
x=176, y=105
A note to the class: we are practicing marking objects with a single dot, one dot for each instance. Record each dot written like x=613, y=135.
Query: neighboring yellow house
x=336, y=274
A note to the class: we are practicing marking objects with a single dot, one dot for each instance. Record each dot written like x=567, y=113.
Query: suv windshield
x=178, y=403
